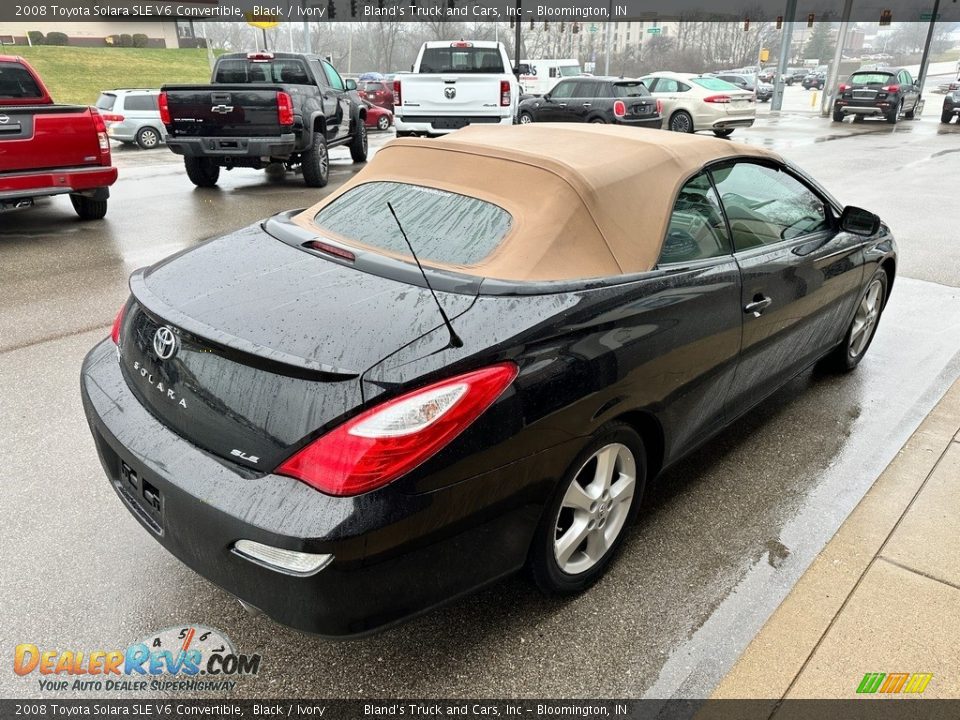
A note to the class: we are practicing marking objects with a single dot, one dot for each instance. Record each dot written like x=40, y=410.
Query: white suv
x=132, y=116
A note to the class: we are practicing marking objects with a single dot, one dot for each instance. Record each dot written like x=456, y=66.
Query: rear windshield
x=442, y=226
x=461, y=60
x=373, y=86
x=16, y=82
x=569, y=70
x=871, y=78
x=106, y=101
x=235, y=71
x=713, y=83
x=629, y=89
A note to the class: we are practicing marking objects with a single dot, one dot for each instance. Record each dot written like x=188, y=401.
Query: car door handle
x=563, y=104
x=758, y=305
x=586, y=104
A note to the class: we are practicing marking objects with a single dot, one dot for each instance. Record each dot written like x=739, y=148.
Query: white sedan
x=692, y=103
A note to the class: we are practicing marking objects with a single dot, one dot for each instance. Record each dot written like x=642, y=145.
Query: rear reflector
x=504, y=93
x=619, y=108
x=284, y=108
x=164, y=109
x=288, y=562
x=387, y=441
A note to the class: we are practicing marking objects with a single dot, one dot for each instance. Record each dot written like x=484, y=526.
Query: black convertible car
x=342, y=439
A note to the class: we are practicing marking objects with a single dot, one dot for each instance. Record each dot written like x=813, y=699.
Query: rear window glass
x=234, y=71
x=871, y=79
x=140, y=102
x=442, y=226
x=16, y=82
x=106, y=101
x=714, y=84
x=373, y=86
x=461, y=60
x=633, y=89
x=569, y=70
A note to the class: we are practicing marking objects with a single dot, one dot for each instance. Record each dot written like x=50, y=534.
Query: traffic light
x=886, y=17
x=353, y=8
x=810, y=19
x=779, y=22
x=746, y=24
x=331, y=10
x=563, y=26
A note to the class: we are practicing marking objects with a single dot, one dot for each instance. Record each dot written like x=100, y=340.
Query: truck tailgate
x=42, y=137
x=451, y=94
x=224, y=110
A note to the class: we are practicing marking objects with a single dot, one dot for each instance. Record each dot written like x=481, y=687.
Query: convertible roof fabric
x=586, y=200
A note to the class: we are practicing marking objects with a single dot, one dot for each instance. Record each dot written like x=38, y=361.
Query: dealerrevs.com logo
x=191, y=658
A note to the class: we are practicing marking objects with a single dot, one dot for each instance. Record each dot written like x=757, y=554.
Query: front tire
x=88, y=208
x=681, y=121
x=860, y=334
x=315, y=163
x=945, y=117
x=585, y=522
x=383, y=123
x=358, y=146
x=148, y=138
x=203, y=172
x=894, y=117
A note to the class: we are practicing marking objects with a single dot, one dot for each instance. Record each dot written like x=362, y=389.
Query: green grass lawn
x=77, y=75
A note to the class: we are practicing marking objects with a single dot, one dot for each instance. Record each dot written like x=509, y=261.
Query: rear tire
x=88, y=208
x=945, y=117
x=582, y=527
x=203, y=172
x=315, y=162
x=837, y=116
x=597, y=121
x=894, y=116
x=383, y=123
x=681, y=121
x=148, y=138
x=525, y=118
x=725, y=133
x=358, y=146
x=863, y=327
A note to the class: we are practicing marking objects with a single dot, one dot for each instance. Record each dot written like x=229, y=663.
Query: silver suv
x=132, y=116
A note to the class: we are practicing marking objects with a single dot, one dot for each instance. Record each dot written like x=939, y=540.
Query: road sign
x=654, y=30
x=927, y=17
x=764, y=55
x=264, y=22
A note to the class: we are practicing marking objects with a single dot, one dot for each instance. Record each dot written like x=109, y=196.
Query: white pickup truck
x=454, y=84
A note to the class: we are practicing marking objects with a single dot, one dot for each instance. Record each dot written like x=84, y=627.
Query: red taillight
x=659, y=107
x=260, y=56
x=396, y=93
x=717, y=99
x=164, y=109
x=383, y=443
x=892, y=88
x=117, y=322
x=110, y=117
x=504, y=93
x=284, y=108
x=461, y=44
x=103, y=141
x=619, y=108
x=844, y=87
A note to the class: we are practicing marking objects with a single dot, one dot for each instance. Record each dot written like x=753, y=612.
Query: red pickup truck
x=48, y=149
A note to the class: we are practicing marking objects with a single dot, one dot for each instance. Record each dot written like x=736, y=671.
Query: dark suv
x=616, y=101
x=888, y=92
x=951, y=106
x=814, y=81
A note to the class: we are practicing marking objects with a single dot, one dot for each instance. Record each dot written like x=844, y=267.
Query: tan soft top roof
x=586, y=200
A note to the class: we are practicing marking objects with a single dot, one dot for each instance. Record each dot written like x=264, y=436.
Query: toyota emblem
x=4, y=119
x=450, y=93
x=164, y=342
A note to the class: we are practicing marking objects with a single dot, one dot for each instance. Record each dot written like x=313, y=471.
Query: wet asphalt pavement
x=722, y=539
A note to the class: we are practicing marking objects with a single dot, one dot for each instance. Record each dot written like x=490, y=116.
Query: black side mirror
x=546, y=97
x=859, y=221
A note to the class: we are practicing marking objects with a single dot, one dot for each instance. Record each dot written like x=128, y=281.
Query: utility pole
x=925, y=60
x=307, y=44
x=786, y=41
x=833, y=79
x=516, y=35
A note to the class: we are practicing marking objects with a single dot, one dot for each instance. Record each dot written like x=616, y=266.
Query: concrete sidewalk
x=884, y=594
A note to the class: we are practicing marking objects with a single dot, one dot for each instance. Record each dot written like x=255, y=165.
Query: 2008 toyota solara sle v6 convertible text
x=468, y=359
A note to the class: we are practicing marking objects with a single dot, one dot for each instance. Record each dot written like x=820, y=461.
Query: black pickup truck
x=264, y=109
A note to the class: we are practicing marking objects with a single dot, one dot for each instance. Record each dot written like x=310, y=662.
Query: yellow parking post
x=813, y=99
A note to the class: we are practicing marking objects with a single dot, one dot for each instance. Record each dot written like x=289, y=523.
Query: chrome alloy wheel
x=865, y=320
x=595, y=508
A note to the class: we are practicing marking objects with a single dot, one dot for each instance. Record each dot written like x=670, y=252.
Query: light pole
x=776, y=102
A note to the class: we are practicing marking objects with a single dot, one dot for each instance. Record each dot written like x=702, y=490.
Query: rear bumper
x=443, y=124
x=655, y=122
x=732, y=122
x=225, y=147
x=395, y=554
x=56, y=182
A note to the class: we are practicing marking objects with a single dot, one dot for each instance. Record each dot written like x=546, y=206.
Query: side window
x=765, y=205
x=553, y=72
x=666, y=85
x=586, y=89
x=697, y=229
x=333, y=77
x=650, y=82
x=563, y=89
x=682, y=87
x=906, y=79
